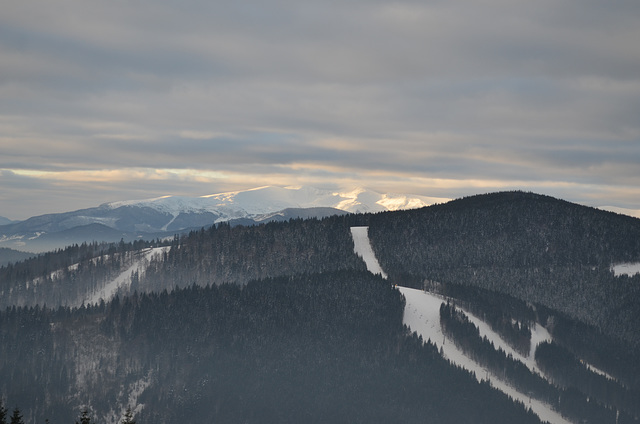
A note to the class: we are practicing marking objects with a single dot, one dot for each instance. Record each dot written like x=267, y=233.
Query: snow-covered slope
x=123, y=280
x=422, y=315
x=362, y=247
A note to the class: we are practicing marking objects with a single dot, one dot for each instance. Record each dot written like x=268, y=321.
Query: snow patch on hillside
x=630, y=269
x=5, y=238
x=124, y=278
x=362, y=248
x=131, y=393
x=598, y=371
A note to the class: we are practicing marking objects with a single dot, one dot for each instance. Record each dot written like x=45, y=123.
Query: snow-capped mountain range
x=269, y=199
x=167, y=215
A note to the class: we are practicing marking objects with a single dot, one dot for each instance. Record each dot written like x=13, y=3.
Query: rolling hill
x=235, y=322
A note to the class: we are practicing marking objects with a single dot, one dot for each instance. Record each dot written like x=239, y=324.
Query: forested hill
x=533, y=247
x=238, y=254
x=321, y=348
x=280, y=322
x=513, y=229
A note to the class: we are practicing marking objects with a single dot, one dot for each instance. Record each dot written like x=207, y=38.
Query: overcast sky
x=105, y=100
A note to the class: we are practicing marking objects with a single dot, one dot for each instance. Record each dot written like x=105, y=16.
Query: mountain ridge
x=167, y=215
x=506, y=256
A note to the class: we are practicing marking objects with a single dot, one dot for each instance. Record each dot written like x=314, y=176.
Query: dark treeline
x=566, y=370
x=85, y=416
x=529, y=246
x=312, y=348
x=570, y=401
x=584, y=341
x=238, y=254
x=456, y=325
x=588, y=343
x=217, y=254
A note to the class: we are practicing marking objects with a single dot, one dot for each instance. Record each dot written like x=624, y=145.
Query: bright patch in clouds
x=104, y=101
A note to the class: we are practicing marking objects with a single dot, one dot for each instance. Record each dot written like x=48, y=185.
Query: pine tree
x=84, y=418
x=3, y=414
x=16, y=417
x=128, y=417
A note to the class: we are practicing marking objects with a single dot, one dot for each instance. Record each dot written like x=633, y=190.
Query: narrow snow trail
x=124, y=278
x=422, y=315
x=539, y=334
x=363, y=249
x=165, y=226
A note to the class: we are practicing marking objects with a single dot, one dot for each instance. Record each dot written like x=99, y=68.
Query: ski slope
x=539, y=334
x=124, y=278
x=422, y=315
x=363, y=249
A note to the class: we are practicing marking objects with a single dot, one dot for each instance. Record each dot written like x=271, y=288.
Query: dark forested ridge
x=8, y=256
x=511, y=229
x=238, y=254
x=215, y=255
x=530, y=246
x=584, y=396
x=312, y=348
x=67, y=276
x=279, y=320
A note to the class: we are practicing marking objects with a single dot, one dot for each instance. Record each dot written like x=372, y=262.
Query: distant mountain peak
x=5, y=221
x=269, y=199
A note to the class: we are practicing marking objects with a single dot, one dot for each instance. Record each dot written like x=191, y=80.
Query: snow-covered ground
x=598, y=371
x=124, y=279
x=422, y=315
x=131, y=392
x=629, y=269
x=539, y=334
x=363, y=249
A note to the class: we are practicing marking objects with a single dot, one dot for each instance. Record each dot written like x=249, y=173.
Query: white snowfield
x=363, y=249
x=629, y=269
x=124, y=279
x=422, y=315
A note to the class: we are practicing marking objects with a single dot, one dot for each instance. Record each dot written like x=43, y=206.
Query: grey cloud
x=493, y=90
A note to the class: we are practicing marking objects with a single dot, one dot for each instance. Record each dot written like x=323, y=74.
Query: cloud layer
x=113, y=100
